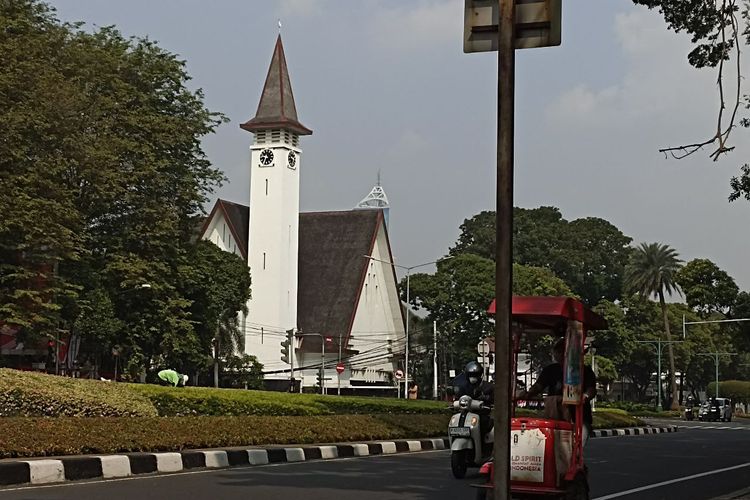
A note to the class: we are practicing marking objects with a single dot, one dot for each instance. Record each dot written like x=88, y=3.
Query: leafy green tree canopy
x=588, y=254
x=707, y=288
x=101, y=149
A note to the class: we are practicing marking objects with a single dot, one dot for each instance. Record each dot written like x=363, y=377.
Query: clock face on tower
x=266, y=157
x=292, y=159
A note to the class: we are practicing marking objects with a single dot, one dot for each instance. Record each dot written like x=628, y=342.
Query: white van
x=716, y=409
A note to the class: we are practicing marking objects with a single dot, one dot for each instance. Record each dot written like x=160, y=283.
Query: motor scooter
x=689, y=413
x=469, y=448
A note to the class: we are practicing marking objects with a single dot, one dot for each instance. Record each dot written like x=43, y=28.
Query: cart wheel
x=578, y=489
x=458, y=463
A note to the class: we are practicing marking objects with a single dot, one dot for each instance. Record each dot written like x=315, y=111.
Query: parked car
x=716, y=409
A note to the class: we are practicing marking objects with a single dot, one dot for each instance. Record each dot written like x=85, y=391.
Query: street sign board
x=538, y=24
x=340, y=368
x=399, y=374
x=483, y=347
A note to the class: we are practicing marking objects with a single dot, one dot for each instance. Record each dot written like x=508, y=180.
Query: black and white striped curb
x=46, y=471
x=633, y=431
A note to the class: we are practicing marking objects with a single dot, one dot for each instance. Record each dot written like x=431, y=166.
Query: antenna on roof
x=376, y=199
x=279, y=22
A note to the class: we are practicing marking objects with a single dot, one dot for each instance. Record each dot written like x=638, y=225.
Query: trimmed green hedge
x=612, y=418
x=737, y=390
x=27, y=437
x=197, y=401
x=28, y=394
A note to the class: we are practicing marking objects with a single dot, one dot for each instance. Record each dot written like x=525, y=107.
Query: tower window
x=264, y=260
x=266, y=187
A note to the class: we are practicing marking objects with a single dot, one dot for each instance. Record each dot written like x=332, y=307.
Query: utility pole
x=506, y=77
x=322, y=365
x=659, y=344
x=338, y=390
x=434, y=361
x=489, y=26
x=291, y=350
x=716, y=364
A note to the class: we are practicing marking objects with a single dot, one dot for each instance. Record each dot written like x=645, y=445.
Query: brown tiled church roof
x=331, y=265
x=276, y=108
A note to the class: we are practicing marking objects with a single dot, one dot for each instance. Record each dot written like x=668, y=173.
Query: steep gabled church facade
x=324, y=275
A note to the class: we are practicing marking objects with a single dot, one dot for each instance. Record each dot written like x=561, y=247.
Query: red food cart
x=547, y=455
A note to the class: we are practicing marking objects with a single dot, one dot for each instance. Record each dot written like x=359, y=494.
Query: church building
x=325, y=275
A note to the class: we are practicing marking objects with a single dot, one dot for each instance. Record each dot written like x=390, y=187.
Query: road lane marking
x=672, y=481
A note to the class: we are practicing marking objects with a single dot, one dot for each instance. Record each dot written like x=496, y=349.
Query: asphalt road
x=695, y=464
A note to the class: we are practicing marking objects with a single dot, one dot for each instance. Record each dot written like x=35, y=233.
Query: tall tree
x=218, y=284
x=101, y=148
x=589, y=254
x=652, y=272
x=707, y=288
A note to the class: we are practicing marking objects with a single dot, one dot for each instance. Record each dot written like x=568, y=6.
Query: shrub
x=605, y=419
x=30, y=394
x=194, y=401
x=34, y=394
x=737, y=390
x=25, y=437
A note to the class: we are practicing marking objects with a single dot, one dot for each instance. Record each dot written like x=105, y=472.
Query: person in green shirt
x=173, y=378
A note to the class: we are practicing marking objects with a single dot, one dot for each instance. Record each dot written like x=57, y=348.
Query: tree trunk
x=674, y=405
x=216, y=360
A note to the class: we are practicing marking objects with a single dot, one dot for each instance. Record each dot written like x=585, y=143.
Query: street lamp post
x=408, y=275
x=716, y=355
x=659, y=344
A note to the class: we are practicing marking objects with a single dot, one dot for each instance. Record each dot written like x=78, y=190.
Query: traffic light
x=285, y=350
x=287, y=347
x=320, y=377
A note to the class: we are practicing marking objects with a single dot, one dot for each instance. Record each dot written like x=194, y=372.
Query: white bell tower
x=275, y=163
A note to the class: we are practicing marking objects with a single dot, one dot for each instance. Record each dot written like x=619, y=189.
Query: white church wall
x=218, y=232
x=272, y=255
x=378, y=330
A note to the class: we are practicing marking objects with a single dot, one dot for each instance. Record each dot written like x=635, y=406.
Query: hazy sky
x=385, y=86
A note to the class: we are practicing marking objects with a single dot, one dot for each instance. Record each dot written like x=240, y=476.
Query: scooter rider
x=471, y=383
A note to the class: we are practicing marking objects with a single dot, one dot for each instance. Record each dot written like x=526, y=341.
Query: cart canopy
x=546, y=312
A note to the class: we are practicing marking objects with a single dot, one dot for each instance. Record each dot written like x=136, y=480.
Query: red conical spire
x=276, y=107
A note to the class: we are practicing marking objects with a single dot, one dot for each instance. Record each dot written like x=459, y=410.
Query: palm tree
x=229, y=338
x=651, y=271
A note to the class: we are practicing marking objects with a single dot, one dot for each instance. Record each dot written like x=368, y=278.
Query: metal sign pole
x=504, y=259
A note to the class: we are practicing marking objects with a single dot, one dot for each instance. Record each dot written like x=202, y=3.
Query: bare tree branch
x=721, y=137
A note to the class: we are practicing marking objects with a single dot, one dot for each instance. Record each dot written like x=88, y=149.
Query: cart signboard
x=527, y=455
x=573, y=372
